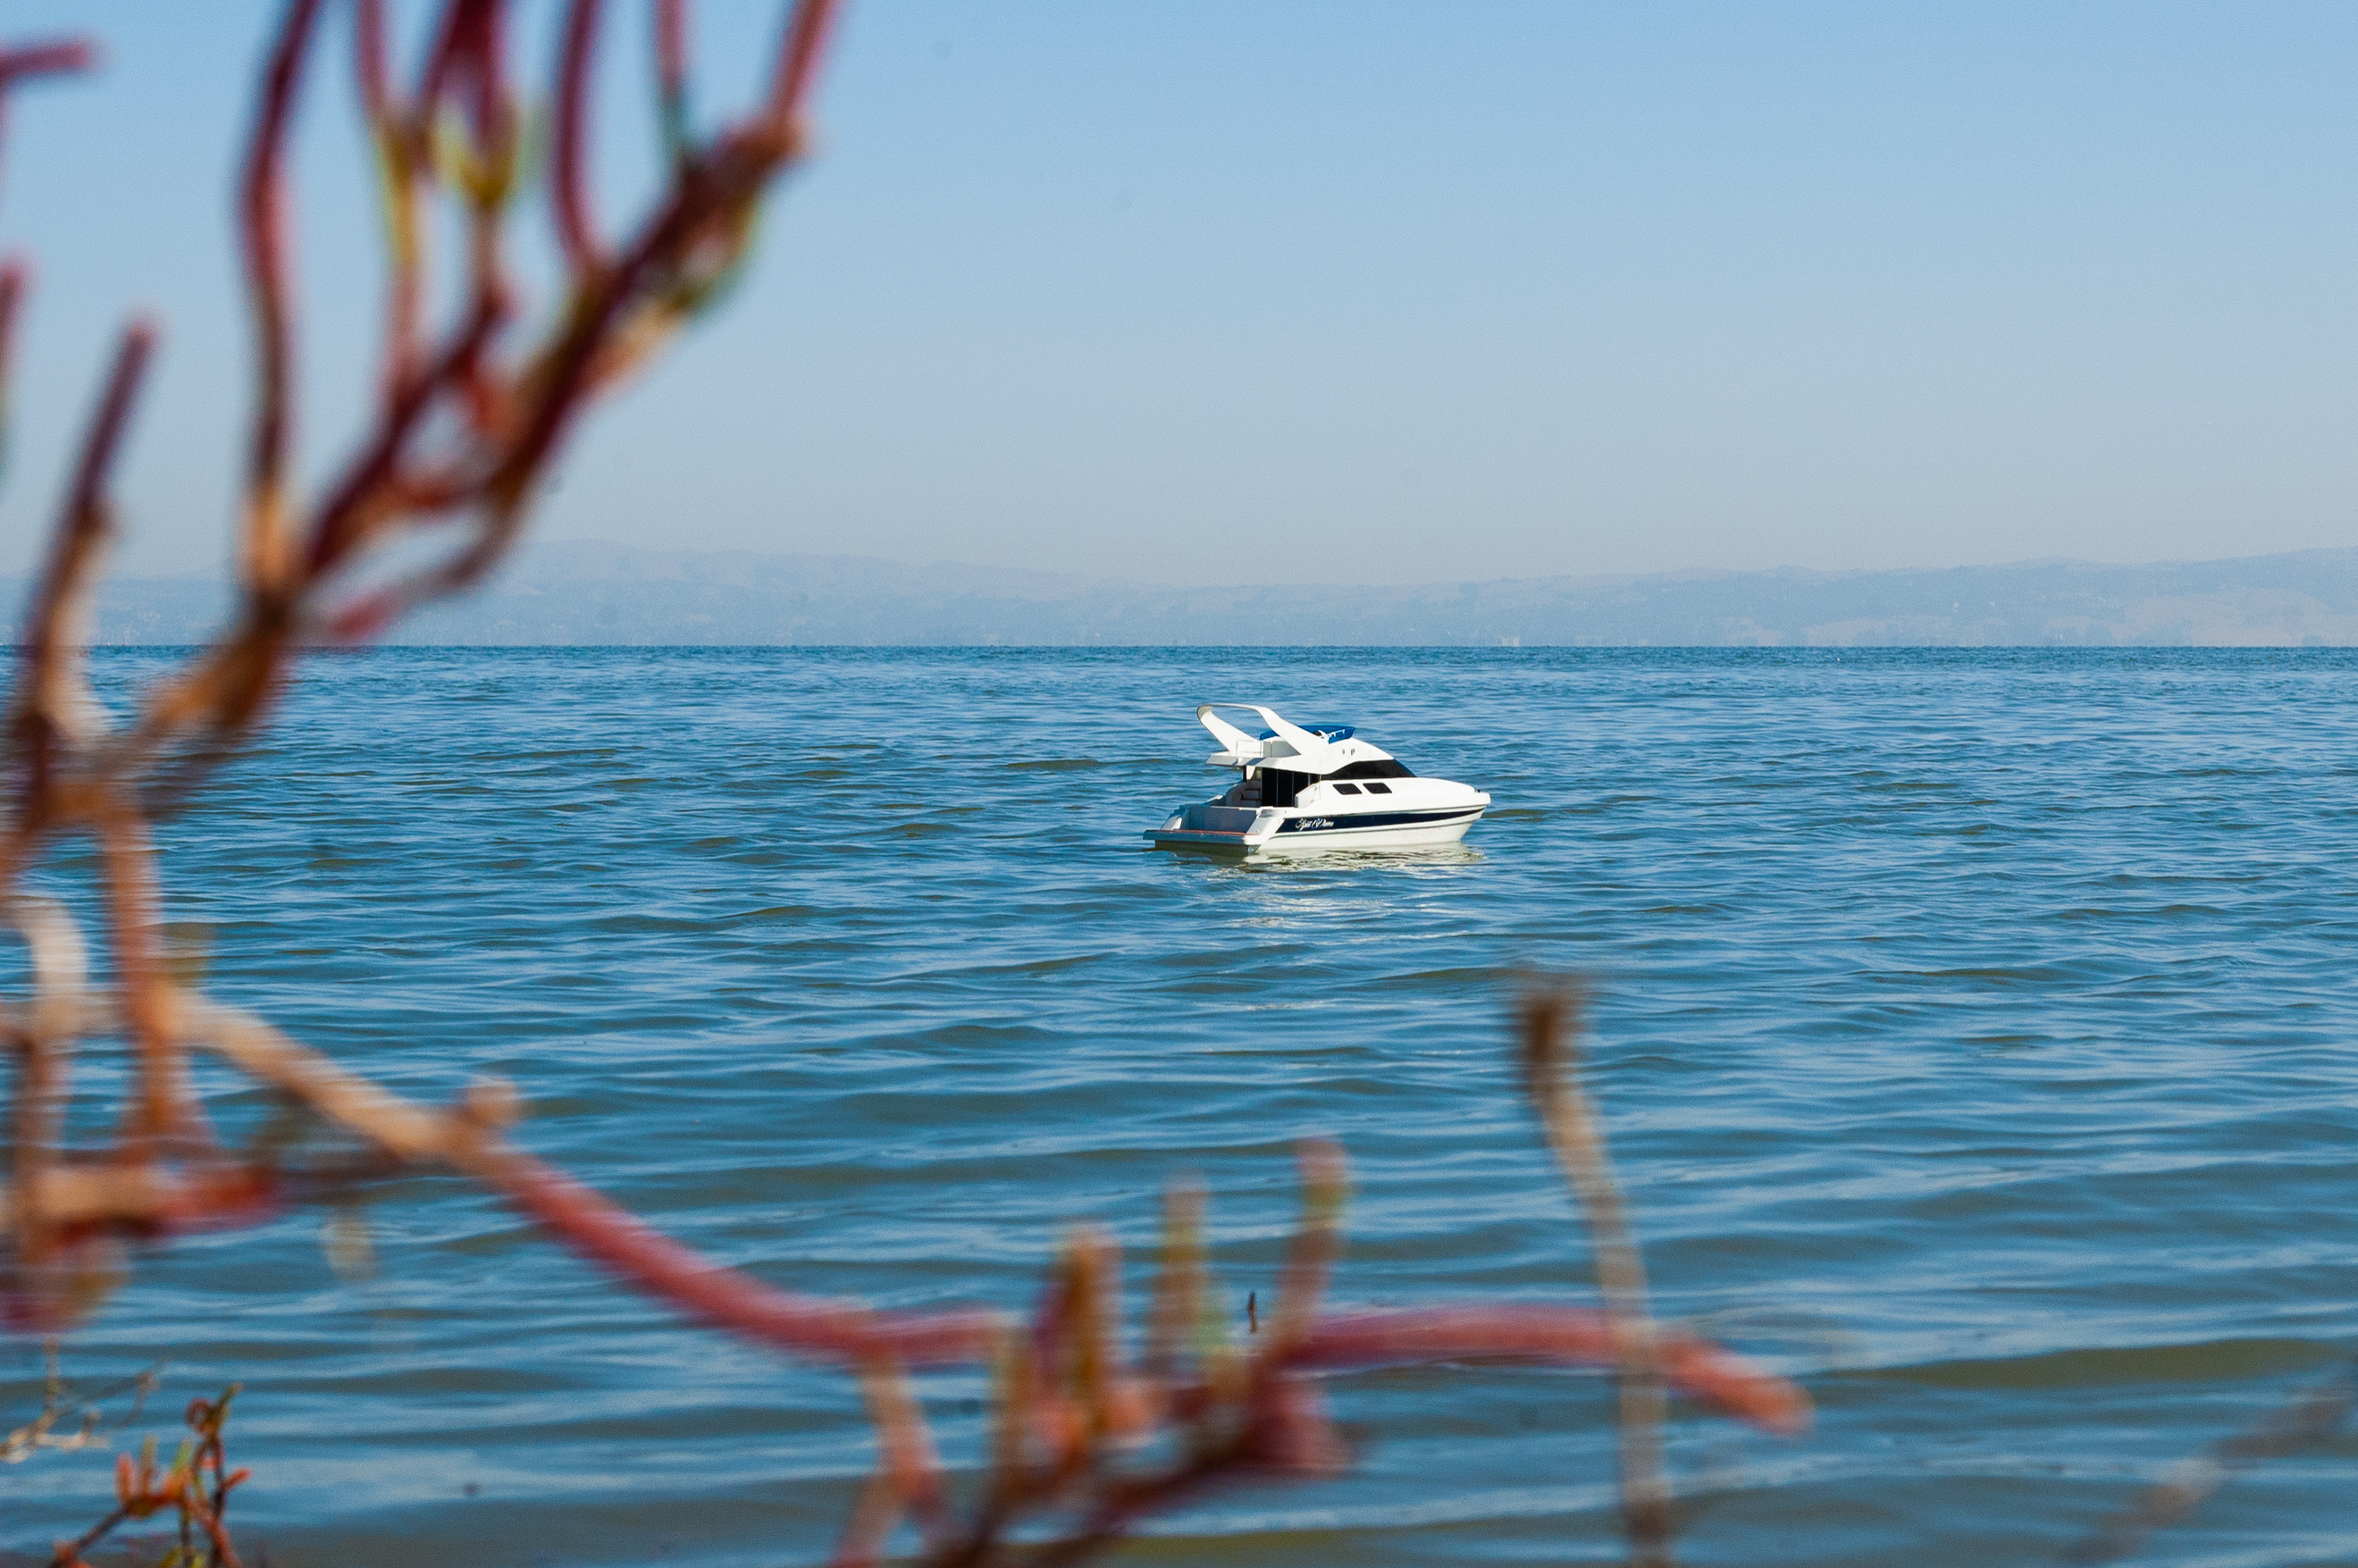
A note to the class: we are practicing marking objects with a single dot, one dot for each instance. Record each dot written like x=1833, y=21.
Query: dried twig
x=2312, y=1418
x=29, y=62
x=465, y=427
x=1551, y=1019
x=196, y=1486
x=1095, y=1442
x=908, y=1479
x=61, y=1402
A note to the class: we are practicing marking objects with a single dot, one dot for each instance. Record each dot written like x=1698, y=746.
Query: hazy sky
x=1356, y=292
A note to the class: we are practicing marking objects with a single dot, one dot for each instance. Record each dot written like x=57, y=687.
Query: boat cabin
x=1282, y=761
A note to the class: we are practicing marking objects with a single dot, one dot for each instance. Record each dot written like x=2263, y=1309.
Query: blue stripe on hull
x=1358, y=819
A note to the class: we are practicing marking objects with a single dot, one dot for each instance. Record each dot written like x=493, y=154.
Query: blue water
x=1973, y=1030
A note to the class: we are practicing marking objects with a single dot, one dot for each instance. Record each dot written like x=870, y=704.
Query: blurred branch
x=2309, y=1421
x=571, y=176
x=1551, y=1017
x=30, y=62
x=60, y=1402
x=196, y=1486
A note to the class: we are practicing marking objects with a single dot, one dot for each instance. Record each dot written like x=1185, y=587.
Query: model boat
x=1315, y=786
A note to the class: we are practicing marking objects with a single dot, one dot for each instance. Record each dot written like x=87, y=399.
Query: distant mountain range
x=589, y=594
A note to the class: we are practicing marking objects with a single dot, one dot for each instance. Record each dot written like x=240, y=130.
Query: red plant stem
x=85, y=510
x=43, y=1041
x=262, y=211
x=732, y=174
x=13, y=275
x=396, y=138
x=799, y=59
x=45, y=60
x=81, y=1201
x=345, y=517
x=48, y=680
x=224, y=1555
x=497, y=131
x=835, y=1331
x=1550, y=1019
x=1179, y=1282
x=160, y=1104
x=569, y=174
x=42, y=59
x=1318, y=1242
x=131, y=358
x=1282, y=1411
x=908, y=1478
x=50, y=683
x=457, y=50
x=370, y=72
x=671, y=73
x=68, y=1552
x=486, y=48
x=213, y=1453
x=33, y=1148
x=228, y=688
x=12, y=296
x=1696, y=1367
x=671, y=45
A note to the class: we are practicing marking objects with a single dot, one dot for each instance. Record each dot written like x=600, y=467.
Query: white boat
x=1316, y=787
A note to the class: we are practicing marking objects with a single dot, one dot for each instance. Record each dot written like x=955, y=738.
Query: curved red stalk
x=18, y=65
x=570, y=175
x=42, y=60
x=461, y=57
x=798, y=60
x=13, y=274
x=47, y=658
x=262, y=209
x=46, y=59
x=396, y=140
x=671, y=45
x=467, y=59
x=1696, y=1367
x=370, y=72
x=344, y=516
x=837, y=1331
x=105, y=436
x=671, y=73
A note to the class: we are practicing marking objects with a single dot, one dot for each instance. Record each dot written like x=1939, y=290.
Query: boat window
x=1373, y=788
x=1384, y=768
x=1347, y=789
x=1279, y=787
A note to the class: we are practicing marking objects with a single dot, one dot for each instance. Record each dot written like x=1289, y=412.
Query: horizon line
x=223, y=577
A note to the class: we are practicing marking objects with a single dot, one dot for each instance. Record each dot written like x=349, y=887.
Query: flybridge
x=1299, y=744
x=1305, y=787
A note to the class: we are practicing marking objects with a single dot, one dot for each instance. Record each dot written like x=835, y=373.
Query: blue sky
x=1382, y=292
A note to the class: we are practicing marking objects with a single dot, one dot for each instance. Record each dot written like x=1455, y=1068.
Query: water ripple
x=1973, y=1028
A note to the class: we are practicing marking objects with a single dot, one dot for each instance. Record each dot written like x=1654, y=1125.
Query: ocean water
x=1974, y=1031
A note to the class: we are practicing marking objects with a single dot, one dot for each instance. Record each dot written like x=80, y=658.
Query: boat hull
x=1312, y=833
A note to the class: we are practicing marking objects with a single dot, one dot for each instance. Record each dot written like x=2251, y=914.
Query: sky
x=1349, y=293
